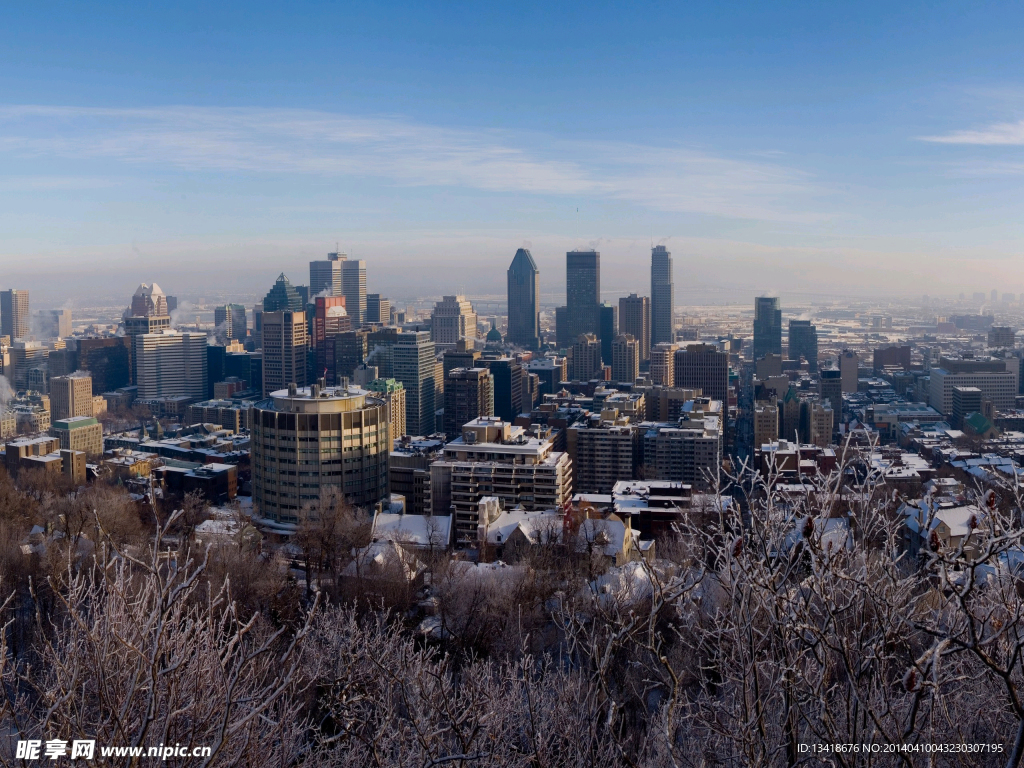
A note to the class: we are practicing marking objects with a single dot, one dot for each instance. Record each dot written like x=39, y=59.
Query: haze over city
x=243, y=140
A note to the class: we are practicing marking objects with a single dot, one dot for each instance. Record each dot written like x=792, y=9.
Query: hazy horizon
x=225, y=147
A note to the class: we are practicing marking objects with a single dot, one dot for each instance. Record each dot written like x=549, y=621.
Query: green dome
x=494, y=334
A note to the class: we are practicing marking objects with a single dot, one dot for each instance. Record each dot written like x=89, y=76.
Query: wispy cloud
x=409, y=154
x=997, y=134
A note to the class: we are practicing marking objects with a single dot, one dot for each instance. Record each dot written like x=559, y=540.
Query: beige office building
x=285, y=340
x=71, y=396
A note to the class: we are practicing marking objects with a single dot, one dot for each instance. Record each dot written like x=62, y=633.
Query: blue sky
x=797, y=147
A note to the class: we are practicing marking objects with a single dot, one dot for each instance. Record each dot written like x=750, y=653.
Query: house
x=515, y=531
x=385, y=561
x=423, y=532
x=609, y=538
x=952, y=521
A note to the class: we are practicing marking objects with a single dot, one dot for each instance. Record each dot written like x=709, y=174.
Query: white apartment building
x=494, y=458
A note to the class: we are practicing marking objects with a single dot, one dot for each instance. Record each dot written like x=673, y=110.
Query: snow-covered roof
x=539, y=526
x=419, y=530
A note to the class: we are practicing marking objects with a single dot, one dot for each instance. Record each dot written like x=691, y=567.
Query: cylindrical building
x=314, y=440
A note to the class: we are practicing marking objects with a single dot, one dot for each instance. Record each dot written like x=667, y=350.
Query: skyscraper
x=353, y=286
x=803, y=342
x=231, y=318
x=71, y=396
x=508, y=387
x=149, y=301
x=523, y=301
x=625, y=359
x=586, y=357
x=662, y=296
x=468, y=394
x=378, y=309
x=767, y=327
x=635, y=319
x=14, y=317
x=608, y=329
x=326, y=275
x=171, y=364
x=282, y=297
x=582, y=296
x=284, y=350
x=412, y=363
x=453, y=319
x=329, y=319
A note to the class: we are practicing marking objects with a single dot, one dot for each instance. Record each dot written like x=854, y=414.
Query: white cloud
x=411, y=155
x=997, y=134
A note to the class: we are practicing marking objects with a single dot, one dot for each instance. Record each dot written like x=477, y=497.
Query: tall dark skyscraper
x=767, y=327
x=282, y=297
x=582, y=296
x=662, y=296
x=508, y=387
x=803, y=342
x=608, y=315
x=523, y=301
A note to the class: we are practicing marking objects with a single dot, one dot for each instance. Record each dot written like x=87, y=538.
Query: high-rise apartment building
x=586, y=358
x=353, y=285
x=453, y=319
x=685, y=454
x=231, y=321
x=582, y=297
x=508, y=387
x=602, y=455
x=625, y=359
x=662, y=296
x=767, y=327
x=412, y=363
x=523, y=301
x=309, y=442
x=284, y=350
x=171, y=364
x=803, y=342
x=703, y=367
x=494, y=458
x=71, y=396
x=468, y=395
x=635, y=319
x=663, y=364
x=326, y=275
x=15, y=320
